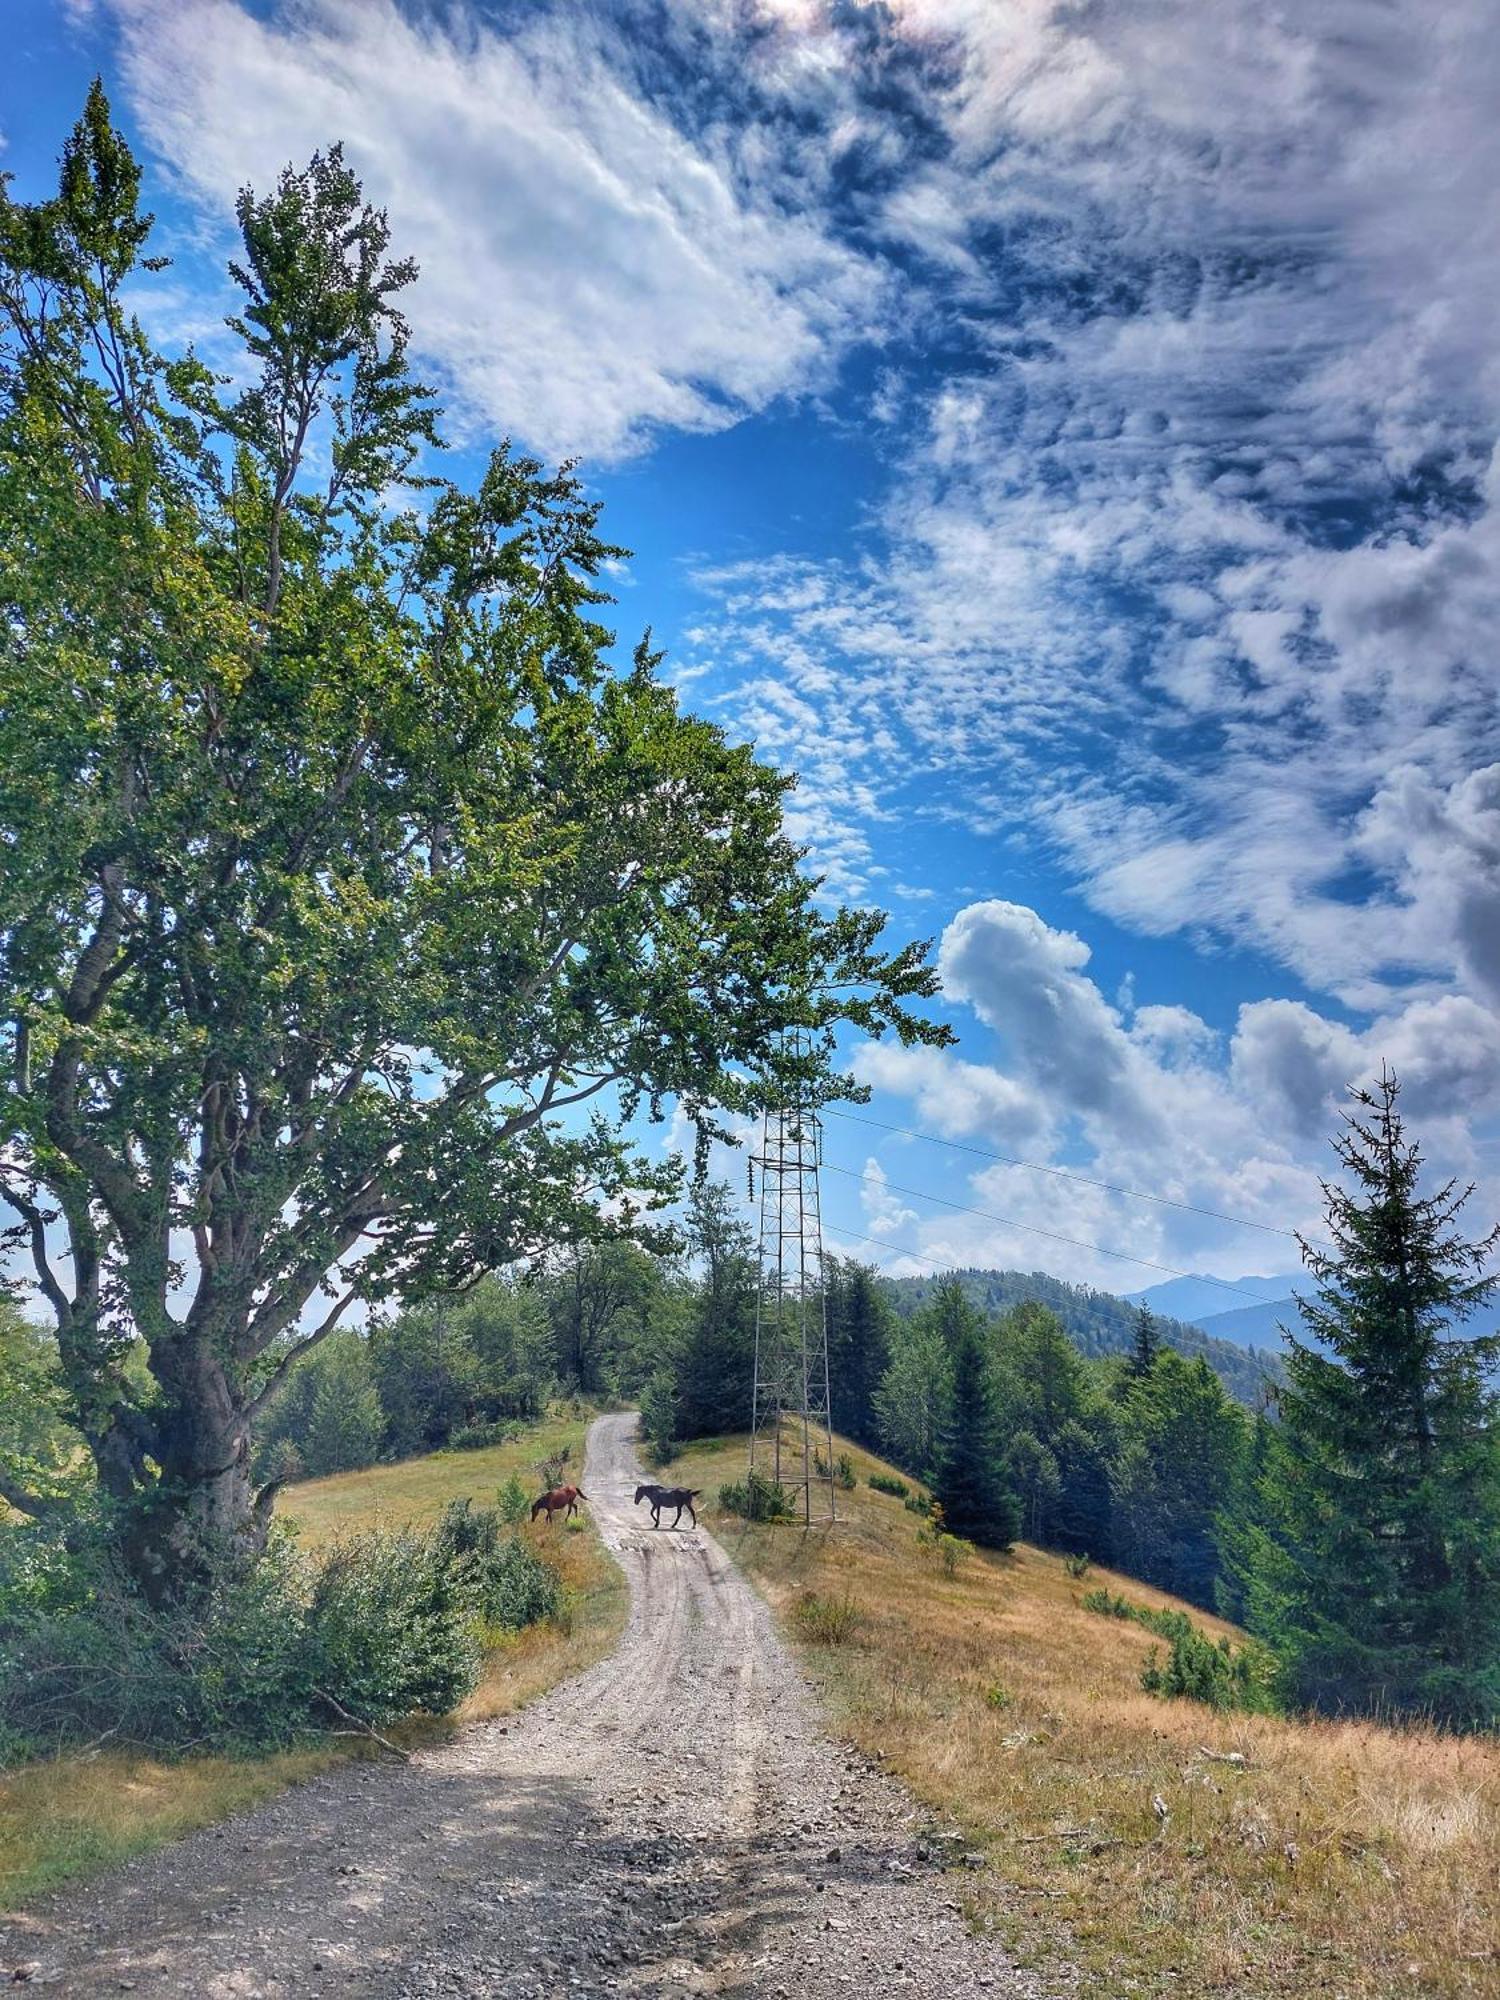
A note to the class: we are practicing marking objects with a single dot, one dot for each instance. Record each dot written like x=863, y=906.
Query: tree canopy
x=344, y=869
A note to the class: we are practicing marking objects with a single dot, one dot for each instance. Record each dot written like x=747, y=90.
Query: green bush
x=513, y=1502
x=1077, y=1566
x=391, y=1629
x=935, y=1540
x=826, y=1621
x=756, y=1498
x=1168, y=1624
x=478, y=1437
x=1223, y=1676
x=256, y=1656
x=885, y=1482
x=917, y=1503
x=227, y=1669
x=843, y=1472
x=503, y=1579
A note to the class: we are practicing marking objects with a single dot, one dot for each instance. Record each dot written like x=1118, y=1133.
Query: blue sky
x=1063, y=434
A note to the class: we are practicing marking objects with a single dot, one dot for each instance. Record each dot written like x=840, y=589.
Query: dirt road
x=669, y=1823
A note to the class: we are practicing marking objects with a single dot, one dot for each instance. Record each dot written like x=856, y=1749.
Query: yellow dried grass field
x=1339, y=1858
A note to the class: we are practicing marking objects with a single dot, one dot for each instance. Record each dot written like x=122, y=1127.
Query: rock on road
x=670, y=1822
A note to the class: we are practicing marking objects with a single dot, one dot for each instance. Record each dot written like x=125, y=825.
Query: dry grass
x=71, y=1816
x=1343, y=1859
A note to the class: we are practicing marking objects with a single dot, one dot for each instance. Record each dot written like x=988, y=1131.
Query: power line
x=1054, y=1236
x=879, y=1243
x=1063, y=1173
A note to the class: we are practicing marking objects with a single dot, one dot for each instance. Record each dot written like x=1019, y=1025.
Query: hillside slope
x=1099, y=1323
x=1335, y=1858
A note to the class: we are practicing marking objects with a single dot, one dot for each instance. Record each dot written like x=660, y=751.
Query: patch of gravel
x=670, y=1823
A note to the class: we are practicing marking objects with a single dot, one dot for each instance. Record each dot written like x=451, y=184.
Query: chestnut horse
x=561, y=1500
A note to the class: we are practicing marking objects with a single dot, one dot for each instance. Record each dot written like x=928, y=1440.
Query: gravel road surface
x=671, y=1822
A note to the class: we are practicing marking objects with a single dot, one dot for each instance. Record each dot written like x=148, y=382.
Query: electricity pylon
x=791, y=1436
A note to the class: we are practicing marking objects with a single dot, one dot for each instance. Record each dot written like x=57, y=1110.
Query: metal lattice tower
x=791, y=1437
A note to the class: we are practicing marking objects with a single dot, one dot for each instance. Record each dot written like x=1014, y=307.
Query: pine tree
x=1060, y=1432
x=913, y=1400
x=1181, y=1443
x=706, y=1379
x=1239, y=1522
x=859, y=1341
x=345, y=1420
x=1145, y=1345
x=1377, y=1574
x=972, y=1483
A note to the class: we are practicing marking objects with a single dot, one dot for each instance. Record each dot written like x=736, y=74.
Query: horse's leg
x=694, y=1512
x=678, y=1515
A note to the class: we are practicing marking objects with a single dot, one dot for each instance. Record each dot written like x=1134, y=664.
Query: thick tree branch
x=36, y=1230
x=36, y=1505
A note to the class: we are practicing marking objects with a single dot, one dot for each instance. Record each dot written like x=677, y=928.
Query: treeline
x=1099, y=1324
x=1352, y=1522
x=601, y=1319
x=1130, y=1460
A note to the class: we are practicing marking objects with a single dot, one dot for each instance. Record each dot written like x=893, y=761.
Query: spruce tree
x=1181, y=1441
x=914, y=1398
x=1145, y=1344
x=972, y=1482
x=1060, y=1433
x=1238, y=1524
x=859, y=1344
x=1376, y=1575
x=706, y=1380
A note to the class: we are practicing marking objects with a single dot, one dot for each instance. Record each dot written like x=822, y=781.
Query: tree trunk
x=202, y=1501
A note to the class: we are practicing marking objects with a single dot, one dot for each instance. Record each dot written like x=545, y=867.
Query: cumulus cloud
x=884, y=1211
x=1153, y=1104
x=1027, y=981
x=591, y=271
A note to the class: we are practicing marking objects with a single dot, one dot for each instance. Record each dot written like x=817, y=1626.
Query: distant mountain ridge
x=1101, y=1323
x=1208, y=1303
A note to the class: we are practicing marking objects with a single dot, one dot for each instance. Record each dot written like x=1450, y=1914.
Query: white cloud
x=884, y=1211
x=1188, y=569
x=1199, y=545
x=589, y=272
x=1154, y=1105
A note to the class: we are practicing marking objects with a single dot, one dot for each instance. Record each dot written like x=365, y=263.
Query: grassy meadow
x=1337, y=1859
x=73, y=1815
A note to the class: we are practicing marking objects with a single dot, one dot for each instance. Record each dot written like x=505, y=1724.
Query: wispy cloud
x=591, y=270
x=1185, y=570
x=1193, y=561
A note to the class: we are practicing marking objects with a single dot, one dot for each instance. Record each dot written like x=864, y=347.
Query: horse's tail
x=580, y=1492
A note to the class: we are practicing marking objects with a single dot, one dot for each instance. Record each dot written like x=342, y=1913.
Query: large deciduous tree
x=339, y=862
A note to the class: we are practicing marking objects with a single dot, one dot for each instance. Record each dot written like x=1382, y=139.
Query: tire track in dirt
x=671, y=1822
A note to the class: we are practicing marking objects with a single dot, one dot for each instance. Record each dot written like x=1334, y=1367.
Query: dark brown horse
x=561, y=1500
x=669, y=1496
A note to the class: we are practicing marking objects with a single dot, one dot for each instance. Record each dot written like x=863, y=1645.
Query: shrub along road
x=671, y=1822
